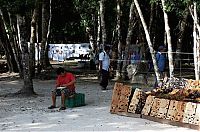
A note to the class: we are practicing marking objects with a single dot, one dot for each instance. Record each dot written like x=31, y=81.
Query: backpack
x=96, y=58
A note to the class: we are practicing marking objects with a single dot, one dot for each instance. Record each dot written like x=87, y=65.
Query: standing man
x=65, y=87
x=104, y=63
x=161, y=60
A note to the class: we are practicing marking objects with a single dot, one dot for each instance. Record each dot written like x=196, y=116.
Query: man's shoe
x=51, y=107
x=62, y=108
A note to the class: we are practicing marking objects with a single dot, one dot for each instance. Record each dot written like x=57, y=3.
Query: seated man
x=66, y=80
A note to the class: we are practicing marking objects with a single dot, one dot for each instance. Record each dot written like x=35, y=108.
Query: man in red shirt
x=65, y=87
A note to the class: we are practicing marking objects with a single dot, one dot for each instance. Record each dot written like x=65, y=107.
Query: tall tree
x=46, y=8
x=182, y=28
x=132, y=23
x=22, y=33
x=169, y=42
x=119, y=38
x=9, y=42
x=152, y=51
x=99, y=30
x=88, y=11
x=21, y=11
x=33, y=38
x=196, y=36
x=103, y=22
x=4, y=41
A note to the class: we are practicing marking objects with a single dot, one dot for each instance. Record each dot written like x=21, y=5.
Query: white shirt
x=105, y=60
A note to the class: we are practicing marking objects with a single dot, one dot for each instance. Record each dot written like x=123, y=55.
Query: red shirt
x=64, y=79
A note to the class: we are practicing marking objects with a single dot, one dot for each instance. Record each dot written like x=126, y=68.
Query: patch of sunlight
x=162, y=125
x=4, y=103
x=73, y=115
x=6, y=123
x=13, y=82
x=33, y=124
x=101, y=108
x=124, y=125
x=29, y=126
x=113, y=124
x=86, y=78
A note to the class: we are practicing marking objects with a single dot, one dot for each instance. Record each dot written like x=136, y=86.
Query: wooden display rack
x=127, y=101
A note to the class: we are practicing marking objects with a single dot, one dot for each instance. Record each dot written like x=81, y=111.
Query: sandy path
x=31, y=114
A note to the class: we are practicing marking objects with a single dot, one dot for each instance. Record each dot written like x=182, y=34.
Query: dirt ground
x=31, y=113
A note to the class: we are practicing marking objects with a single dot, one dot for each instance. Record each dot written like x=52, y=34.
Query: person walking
x=104, y=64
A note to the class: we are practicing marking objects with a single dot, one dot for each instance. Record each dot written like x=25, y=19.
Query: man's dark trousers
x=104, y=79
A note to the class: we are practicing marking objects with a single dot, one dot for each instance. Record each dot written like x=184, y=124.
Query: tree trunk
x=154, y=28
x=196, y=43
x=182, y=28
x=151, y=18
x=94, y=34
x=33, y=39
x=22, y=33
x=196, y=35
x=11, y=58
x=6, y=45
x=91, y=40
x=169, y=43
x=132, y=23
x=119, y=38
x=14, y=40
x=103, y=23
x=98, y=30
x=45, y=32
x=152, y=51
x=90, y=30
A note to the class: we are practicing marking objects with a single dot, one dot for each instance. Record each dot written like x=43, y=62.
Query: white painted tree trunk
x=196, y=44
x=196, y=38
x=99, y=31
x=169, y=43
x=152, y=51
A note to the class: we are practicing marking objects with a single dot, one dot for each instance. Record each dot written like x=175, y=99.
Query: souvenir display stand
x=176, y=102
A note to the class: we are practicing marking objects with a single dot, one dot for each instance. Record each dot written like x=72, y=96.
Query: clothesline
x=179, y=53
x=146, y=60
